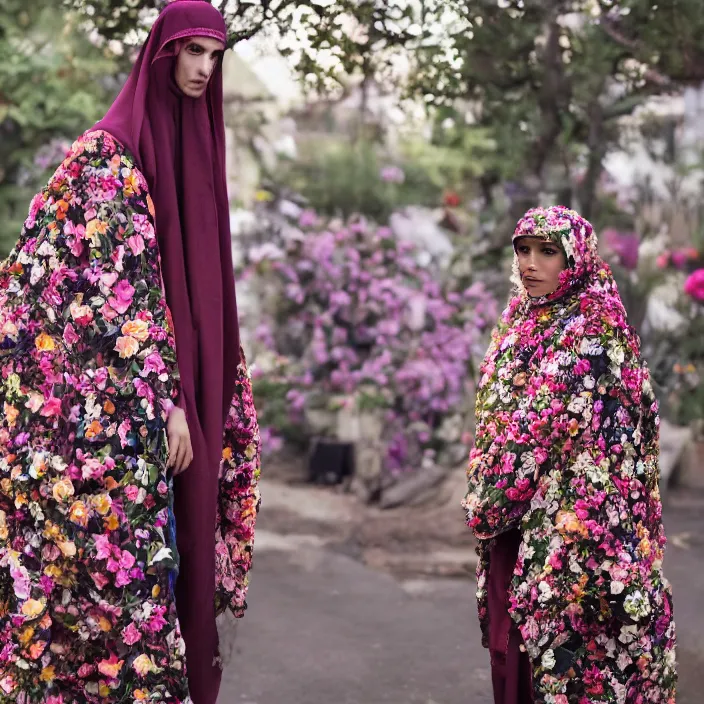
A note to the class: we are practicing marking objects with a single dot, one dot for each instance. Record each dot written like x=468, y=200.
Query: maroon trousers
x=510, y=667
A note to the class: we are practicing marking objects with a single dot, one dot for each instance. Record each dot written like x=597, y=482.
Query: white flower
x=589, y=382
x=624, y=660
x=617, y=587
x=37, y=273
x=162, y=554
x=548, y=659
x=590, y=347
x=637, y=605
x=545, y=592
x=616, y=354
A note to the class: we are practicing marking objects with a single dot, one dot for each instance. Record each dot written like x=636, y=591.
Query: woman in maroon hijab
x=118, y=333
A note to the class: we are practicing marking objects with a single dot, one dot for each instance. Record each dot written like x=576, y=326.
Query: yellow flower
x=26, y=636
x=112, y=522
x=143, y=665
x=139, y=329
x=263, y=196
x=131, y=184
x=94, y=229
x=32, y=608
x=3, y=526
x=101, y=503
x=156, y=590
x=127, y=346
x=63, y=489
x=44, y=342
x=104, y=624
x=48, y=674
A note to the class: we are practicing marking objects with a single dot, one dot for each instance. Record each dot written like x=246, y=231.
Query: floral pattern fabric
x=567, y=451
x=87, y=545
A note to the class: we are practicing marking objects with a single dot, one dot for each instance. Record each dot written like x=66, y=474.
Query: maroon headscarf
x=179, y=144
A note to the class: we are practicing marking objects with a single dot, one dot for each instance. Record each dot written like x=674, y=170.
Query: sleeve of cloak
x=502, y=469
x=239, y=498
x=109, y=293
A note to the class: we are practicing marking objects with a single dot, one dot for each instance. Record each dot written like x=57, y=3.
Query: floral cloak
x=567, y=451
x=87, y=536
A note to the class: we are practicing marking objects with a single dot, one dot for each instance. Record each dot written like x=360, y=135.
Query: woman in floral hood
x=118, y=332
x=563, y=486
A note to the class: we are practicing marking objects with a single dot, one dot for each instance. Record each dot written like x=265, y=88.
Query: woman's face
x=540, y=263
x=196, y=60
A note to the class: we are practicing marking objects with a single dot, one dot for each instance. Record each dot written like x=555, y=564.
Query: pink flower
x=131, y=491
x=52, y=407
x=70, y=335
x=679, y=258
x=136, y=244
x=131, y=635
x=694, y=286
x=124, y=293
x=103, y=547
x=127, y=560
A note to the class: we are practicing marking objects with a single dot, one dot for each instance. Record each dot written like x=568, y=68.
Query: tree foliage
x=551, y=78
x=54, y=83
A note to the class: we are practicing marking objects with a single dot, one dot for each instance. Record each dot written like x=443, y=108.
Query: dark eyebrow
x=194, y=42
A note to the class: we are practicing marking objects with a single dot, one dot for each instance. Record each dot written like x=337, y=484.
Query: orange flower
x=32, y=608
x=150, y=205
x=110, y=667
x=568, y=522
x=112, y=522
x=227, y=454
x=44, y=342
x=104, y=624
x=79, y=513
x=139, y=329
x=94, y=429
x=11, y=414
x=109, y=407
x=126, y=346
x=48, y=674
x=36, y=650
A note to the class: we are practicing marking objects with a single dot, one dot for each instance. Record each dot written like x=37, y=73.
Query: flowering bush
x=677, y=354
x=349, y=320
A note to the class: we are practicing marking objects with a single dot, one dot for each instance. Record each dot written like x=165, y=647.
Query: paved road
x=324, y=629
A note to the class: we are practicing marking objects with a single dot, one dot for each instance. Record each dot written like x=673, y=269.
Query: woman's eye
x=550, y=252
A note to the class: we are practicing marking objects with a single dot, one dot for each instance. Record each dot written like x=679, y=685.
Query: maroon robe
x=510, y=667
